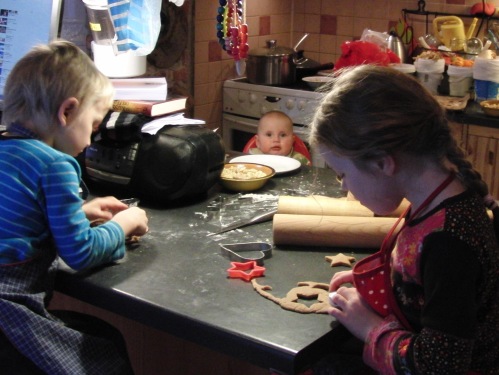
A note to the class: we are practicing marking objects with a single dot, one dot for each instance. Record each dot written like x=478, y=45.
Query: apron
x=55, y=348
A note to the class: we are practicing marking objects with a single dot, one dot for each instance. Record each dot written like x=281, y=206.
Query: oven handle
x=273, y=99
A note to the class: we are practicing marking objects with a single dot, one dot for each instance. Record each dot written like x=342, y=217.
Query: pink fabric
x=379, y=347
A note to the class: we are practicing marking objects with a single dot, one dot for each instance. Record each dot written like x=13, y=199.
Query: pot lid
x=272, y=49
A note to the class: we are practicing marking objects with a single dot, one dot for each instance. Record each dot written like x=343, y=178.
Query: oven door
x=237, y=131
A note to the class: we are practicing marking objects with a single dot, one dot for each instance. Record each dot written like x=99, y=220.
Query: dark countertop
x=473, y=115
x=175, y=278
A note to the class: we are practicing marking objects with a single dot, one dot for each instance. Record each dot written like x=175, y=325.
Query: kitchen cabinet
x=481, y=145
x=482, y=151
x=459, y=132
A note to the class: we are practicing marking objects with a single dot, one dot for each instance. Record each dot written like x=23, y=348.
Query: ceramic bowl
x=316, y=81
x=245, y=176
x=490, y=107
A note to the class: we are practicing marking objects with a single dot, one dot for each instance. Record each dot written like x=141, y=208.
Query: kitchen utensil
x=396, y=45
x=300, y=42
x=431, y=41
x=246, y=270
x=272, y=65
x=253, y=251
x=471, y=29
x=445, y=28
x=266, y=216
x=131, y=202
x=493, y=37
x=334, y=231
x=423, y=43
x=306, y=67
x=487, y=45
x=474, y=46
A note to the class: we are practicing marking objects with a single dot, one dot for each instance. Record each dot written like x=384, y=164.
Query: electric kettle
x=395, y=44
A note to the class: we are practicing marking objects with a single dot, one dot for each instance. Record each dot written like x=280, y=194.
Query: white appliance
x=244, y=103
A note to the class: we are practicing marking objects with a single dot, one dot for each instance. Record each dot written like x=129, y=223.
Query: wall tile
x=328, y=25
x=201, y=73
x=205, y=30
x=200, y=52
x=214, y=51
x=287, y=21
x=312, y=23
x=264, y=25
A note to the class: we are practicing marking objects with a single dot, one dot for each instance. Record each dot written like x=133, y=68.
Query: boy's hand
x=103, y=209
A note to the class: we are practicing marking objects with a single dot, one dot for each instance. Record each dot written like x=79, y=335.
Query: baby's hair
x=277, y=114
x=45, y=77
x=370, y=111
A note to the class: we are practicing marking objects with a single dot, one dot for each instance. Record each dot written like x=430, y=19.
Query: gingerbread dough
x=340, y=260
x=306, y=290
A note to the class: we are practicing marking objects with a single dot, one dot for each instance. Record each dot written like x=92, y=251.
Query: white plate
x=281, y=164
x=327, y=73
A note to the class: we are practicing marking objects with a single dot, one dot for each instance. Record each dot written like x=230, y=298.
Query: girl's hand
x=340, y=278
x=103, y=209
x=354, y=313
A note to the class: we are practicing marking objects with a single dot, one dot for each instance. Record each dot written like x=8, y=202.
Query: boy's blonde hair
x=45, y=77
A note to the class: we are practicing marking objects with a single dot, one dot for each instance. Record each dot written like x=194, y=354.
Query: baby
x=275, y=137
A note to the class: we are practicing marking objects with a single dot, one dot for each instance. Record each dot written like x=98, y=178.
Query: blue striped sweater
x=40, y=206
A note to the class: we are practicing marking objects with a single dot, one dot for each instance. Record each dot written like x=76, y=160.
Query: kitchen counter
x=175, y=278
x=473, y=115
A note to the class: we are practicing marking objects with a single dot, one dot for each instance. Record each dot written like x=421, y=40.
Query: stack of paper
x=154, y=88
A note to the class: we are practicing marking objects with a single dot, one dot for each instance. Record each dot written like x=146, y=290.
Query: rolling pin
x=321, y=205
x=336, y=231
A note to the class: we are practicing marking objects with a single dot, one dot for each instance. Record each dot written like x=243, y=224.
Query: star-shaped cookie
x=340, y=260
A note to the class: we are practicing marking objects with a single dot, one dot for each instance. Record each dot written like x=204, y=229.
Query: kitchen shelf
x=421, y=11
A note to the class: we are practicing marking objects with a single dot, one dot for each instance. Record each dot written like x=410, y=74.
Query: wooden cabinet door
x=482, y=148
x=459, y=131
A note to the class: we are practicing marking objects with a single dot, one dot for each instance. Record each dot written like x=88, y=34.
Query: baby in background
x=275, y=137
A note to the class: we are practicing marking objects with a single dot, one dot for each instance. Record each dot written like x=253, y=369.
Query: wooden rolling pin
x=336, y=231
x=321, y=205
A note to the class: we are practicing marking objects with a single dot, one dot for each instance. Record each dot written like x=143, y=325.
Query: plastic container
x=123, y=65
x=486, y=76
x=431, y=81
x=100, y=22
x=430, y=73
x=404, y=68
x=460, y=80
x=485, y=90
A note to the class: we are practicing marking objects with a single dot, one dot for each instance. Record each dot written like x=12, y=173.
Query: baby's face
x=275, y=136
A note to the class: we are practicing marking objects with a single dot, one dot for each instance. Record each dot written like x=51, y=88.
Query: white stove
x=244, y=103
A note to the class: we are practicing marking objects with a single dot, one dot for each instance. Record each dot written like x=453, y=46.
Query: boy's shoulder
x=34, y=151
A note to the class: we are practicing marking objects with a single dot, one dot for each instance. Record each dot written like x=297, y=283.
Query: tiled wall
x=328, y=22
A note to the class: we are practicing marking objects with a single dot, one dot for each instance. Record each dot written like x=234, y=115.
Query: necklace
x=17, y=128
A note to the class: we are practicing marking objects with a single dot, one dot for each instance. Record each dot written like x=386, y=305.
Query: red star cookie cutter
x=239, y=270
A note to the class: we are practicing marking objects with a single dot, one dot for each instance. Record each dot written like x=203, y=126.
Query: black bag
x=178, y=161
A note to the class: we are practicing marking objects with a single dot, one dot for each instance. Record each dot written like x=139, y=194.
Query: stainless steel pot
x=271, y=65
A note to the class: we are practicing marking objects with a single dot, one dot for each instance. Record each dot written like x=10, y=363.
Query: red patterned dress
x=445, y=275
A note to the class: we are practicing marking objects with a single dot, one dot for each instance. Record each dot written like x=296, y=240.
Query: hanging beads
x=232, y=33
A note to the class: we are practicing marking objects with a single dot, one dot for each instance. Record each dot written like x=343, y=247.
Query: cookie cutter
x=239, y=270
x=253, y=251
